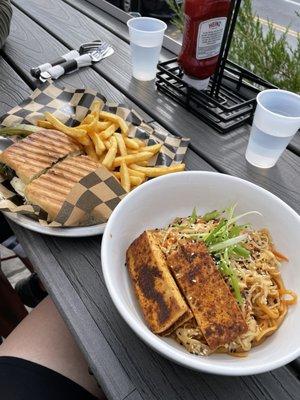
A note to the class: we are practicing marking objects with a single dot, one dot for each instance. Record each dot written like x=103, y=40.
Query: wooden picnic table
x=71, y=268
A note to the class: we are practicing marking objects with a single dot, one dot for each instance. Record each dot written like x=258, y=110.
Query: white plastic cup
x=146, y=37
x=276, y=121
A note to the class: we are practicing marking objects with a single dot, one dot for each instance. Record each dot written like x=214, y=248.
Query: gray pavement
x=281, y=12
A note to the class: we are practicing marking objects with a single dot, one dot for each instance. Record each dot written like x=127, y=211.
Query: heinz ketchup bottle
x=204, y=26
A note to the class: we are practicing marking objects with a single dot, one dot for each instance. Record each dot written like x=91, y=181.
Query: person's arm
x=5, y=17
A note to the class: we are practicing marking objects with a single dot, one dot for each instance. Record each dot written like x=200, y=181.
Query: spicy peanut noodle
x=254, y=277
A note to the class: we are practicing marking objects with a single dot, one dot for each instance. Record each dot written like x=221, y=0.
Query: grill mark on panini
x=76, y=166
x=67, y=174
x=48, y=194
x=45, y=184
x=80, y=169
x=37, y=148
x=56, y=144
x=31, y=154
x=56, y=179
x=62, y=136
x=32, y=162
x=84, y=162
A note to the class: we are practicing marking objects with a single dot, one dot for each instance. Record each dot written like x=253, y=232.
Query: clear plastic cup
x=276, y=121
x=146, y=37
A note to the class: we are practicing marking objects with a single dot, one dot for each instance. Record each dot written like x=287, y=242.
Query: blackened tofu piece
x=214, y=306
x=160, y=299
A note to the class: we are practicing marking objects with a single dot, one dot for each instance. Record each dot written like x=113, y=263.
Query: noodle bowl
x=160, y=201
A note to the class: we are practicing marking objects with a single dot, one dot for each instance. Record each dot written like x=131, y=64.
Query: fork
x=90, y=53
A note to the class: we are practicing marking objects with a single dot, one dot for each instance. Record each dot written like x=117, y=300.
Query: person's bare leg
x=43, y=337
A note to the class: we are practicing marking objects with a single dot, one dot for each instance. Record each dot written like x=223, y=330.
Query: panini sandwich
x=50, y=190
x=32, y=156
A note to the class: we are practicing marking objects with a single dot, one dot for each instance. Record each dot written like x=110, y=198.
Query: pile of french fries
x=104, y=137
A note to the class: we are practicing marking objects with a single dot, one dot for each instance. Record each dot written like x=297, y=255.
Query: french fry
x=102, y=125
x=44, y=124
x=108, y=132
x=152, y=172
x=143, y=163
x=91, y=127
x=134, y=180
x=107, y=144
x=132, y=158
x=79, y=134
x=125, y=177
x=99, y=145
x=121, y=144
x=139, y=174
x=115, y=119
x=154, y=148
x=87, y=119
x=95, y=108
x=130, y=151
x=139, y=142
x=130, y=143
x=110, y=156
x=90, y=151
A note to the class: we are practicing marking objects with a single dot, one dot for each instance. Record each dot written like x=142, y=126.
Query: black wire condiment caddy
x=229, y=100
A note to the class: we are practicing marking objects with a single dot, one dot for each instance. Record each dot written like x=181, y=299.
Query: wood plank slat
x=225, y=153
x=154, y=377
x=12, y=88
x=295, y=144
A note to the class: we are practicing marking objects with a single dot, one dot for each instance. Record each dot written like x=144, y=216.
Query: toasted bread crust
x=50, y=190
x=214, y=307
x=160, y=300
x=33, y=155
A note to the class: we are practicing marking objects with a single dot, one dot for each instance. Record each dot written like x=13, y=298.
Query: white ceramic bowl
x=157, y=203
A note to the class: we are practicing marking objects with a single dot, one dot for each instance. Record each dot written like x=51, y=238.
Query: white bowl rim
x=154, y=341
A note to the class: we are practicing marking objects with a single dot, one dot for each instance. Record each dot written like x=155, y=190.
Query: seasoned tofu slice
x=214, y=306
x=160, y=299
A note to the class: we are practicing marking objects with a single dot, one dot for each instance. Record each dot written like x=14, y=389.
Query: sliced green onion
x=215, y=231
x=195, y=236
x=193, y=217
x=241, y=251
x=211, y=215
x=234, y=231
x=234, y=282
x=230, y=210
x=234, y=219
x=227, y=243
x=225, y=269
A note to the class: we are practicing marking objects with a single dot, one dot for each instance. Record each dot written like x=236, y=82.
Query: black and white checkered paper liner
x=71, y=106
